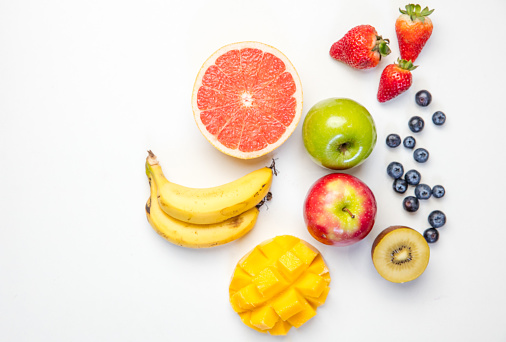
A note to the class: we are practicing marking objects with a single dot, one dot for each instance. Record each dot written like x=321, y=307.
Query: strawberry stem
x=381, y=46
x=416, y=12
x=406, y=65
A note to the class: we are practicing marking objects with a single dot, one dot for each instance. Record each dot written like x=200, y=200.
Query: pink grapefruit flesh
x=247, y=99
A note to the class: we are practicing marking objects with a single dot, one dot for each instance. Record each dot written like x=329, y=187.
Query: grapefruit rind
x=298, y=96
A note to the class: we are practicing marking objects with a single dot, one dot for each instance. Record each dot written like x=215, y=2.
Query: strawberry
x=395, y=79
x=361, y=47
x=413, y=28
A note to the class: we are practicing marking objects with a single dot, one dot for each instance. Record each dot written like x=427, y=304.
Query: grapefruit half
x=247, y=99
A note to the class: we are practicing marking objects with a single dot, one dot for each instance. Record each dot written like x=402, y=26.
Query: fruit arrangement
x=395, y=79
x=338, y=133
x=279, y=284
x=361, y=48
x=413, y=177
x=400, y=254
x=247, y=101
x=339, y=209
x=413, y=28
x=197, y=235
x=207, y=217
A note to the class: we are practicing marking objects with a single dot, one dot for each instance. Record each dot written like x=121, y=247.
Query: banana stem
x=151, y=159
x=267, y=197
x=273, y=167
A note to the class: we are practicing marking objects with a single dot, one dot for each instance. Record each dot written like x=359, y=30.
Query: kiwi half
x=400, y=254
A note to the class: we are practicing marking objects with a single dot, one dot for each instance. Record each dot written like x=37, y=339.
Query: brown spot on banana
x=258, y=192
x=148, y=206
x=235, y=221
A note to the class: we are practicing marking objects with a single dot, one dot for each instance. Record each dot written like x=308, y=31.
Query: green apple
x=339, y=133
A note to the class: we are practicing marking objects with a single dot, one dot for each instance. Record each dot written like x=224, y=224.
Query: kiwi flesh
x=400, y=254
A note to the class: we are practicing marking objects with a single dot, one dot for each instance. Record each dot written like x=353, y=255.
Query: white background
x=86, y=87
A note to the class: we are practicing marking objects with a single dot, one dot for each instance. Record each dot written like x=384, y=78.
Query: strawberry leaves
x=381, y=46
x=416, y=12
x=406, y=65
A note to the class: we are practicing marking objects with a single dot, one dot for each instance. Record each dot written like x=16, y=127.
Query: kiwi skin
x=382, y=235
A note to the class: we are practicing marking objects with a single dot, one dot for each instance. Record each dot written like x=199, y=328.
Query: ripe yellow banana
x=197, y=235
x=209, y=205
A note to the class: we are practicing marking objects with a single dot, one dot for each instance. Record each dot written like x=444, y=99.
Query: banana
x=197, y=235
x=209, y=205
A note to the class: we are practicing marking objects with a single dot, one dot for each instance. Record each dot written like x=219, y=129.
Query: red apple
x=339, y=209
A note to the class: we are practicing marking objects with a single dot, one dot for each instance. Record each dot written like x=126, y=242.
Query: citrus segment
x=247, y=99
x=290, y=281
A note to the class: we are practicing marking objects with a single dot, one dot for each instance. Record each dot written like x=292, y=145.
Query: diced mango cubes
x=311, y=285
x=286, y=241
x=288, y=304
x=271, y=249
x=264, y=318
x=254, y=262
x=239, y=280
x=279, y=284
x=304, y=252
x=247, y=298
x=318, y=266
x=280, y=328
x=270, y=282
x=246, y=319
x=291, y=266
x=303, y=315
x=316, y=302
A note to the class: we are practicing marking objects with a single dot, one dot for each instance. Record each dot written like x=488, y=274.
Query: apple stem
x=343, y=147
x=349, y=212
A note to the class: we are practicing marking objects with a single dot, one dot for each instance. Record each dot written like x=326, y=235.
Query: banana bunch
x=198, y=218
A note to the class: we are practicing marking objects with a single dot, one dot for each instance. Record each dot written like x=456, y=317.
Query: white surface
x=86, y=87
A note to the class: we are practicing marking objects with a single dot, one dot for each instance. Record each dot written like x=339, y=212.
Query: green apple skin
x=339, y=133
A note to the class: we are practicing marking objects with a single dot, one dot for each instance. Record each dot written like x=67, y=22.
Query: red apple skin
x=325, y=218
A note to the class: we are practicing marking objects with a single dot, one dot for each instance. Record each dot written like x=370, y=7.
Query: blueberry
x=438, y=191
x=431, y=235
x=438, y=118
x=437, y=219
x=400, y=185
x=413, y=177
x=421, y=155
x=423, y=98
x=409, y=142
x=395, y=170
x=416, y=124
x=393, y=140
x=423, y=191
x=411, y=204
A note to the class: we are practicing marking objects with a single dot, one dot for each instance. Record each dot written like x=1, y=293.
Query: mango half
x=279, y=284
